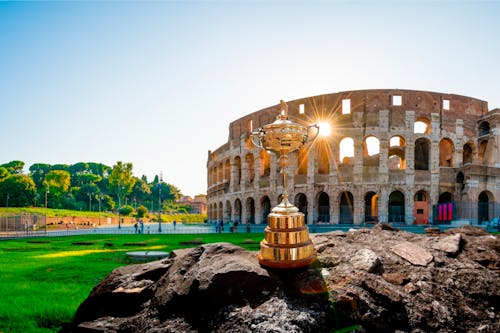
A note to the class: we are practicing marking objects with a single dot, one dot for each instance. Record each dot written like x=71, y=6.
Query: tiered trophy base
x=286, y=243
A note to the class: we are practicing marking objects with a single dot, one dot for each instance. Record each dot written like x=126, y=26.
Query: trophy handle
x=256, y=137
x=307, y=139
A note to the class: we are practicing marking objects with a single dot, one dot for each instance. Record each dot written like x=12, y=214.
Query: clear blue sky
x=158, y=83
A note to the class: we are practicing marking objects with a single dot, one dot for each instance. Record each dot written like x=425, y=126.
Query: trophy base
x=286, y=244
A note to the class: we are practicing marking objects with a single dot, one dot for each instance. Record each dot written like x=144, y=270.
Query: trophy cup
x=286, y=243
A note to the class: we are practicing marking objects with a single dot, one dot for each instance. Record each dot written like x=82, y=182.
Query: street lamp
x=7, y=204
x=159, y=203
x=46, y=194
x=100, y=198
x=90, y=200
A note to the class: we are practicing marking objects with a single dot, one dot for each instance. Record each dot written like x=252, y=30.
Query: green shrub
x=142, y=211
x=126, y=210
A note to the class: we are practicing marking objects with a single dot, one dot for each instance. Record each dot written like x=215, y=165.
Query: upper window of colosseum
x=346, y=106
x=396, y=141
x=397, y=100
x=302, y=109
x=249, y=125
x=446, y=104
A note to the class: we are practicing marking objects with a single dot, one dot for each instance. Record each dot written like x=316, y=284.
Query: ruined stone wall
x=412, y=171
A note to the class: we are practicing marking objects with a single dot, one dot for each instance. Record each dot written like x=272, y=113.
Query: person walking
x=217, y=226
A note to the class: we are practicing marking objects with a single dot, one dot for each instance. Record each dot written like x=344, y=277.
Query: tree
x=14, y=167
x=142, y=211
x=3, y=173
x=38, y=172
x=19, y=189
x=141, y=191
x=121, y=180
x=57, y=183
x=88, y=193
x=126, y=210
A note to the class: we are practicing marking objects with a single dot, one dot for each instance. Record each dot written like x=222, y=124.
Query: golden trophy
x=286, y=243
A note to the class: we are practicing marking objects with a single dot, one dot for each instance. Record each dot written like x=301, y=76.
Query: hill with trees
x=83, y=186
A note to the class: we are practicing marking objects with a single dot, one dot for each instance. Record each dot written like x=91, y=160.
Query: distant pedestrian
x=221, y=225
x=235, y=226
x=231, y=226
x=175, y=223
x=142, y=226
x=136, y=227
x=217, y=226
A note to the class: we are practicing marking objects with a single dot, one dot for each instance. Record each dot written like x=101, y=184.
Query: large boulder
x=383, y=280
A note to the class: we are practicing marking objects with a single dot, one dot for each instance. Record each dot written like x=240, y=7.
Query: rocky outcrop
x=380, y=279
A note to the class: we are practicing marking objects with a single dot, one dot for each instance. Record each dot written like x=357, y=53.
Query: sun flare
x=324, y=129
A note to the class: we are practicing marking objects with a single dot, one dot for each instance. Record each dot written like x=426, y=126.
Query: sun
x=324, y=129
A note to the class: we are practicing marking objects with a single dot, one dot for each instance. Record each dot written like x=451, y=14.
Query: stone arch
x=468, y=153
x=250, y=163
x=346, y=208
x=422, y=152
x=481, y=154
x=396, y=207
x=483, y=128
x=371, y=207
x=220, y=215
x=237, y=211
x=323, y=157
x=421, y=207
x=446, y=152
x=346, y=150
x=460, y=180
x=265, y=163
x=220, y=173
x=323, y=207
x=237, y=170
x=484, y=200
x=250, y=210
x=397, y=153
x=302, y=161
x=301, y=203
x=422, y=125
x=228, y=211
x=227, y=171
x=371, y=151
x=265, y=204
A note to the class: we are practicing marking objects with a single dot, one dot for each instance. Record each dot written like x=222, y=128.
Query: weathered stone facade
x=393, y=156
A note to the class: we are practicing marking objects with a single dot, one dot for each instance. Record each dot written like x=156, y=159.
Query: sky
x=157, y=83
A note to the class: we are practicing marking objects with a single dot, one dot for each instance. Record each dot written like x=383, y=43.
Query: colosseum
x=398, y=156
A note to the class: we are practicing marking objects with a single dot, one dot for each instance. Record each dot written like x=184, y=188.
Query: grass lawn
x=43, y=280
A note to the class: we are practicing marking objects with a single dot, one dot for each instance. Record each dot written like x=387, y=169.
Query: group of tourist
x=139, y=227
x=219, y=226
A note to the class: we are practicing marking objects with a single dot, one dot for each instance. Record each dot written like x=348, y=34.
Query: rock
x=413, y=253
x=468, y=230
x=384, y=226
x=395, y=278
x=449, y=244
x=221, y=288
x=432, y=231
x=366, y=260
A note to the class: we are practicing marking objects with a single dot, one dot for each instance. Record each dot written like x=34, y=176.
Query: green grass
x=42, y=284
x=50, y=212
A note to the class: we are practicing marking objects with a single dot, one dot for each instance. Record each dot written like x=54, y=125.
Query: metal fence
x=23, y=225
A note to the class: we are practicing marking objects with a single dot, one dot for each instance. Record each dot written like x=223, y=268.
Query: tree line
x=84, y=186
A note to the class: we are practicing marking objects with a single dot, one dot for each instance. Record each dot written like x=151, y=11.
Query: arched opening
x=220, y=173
x=237, y=166
x=371, y=207
x=396, y=157
x=421, y=207
x=446, y=151
x=265, y=205
x=460, y=181
x=483, y=128
x=445, y=208
x=302, y=161
x=250, y=167
x=301, y=203
x=483, y=207
x=220, y=216
x=371, y=151
x=468, y=153
x=422, y=154
x=346, y=151
x=227, y=212
x=397, y=207
x=422, y=126
x=250, y=208
x=237, y=211
x=481, y=154
x=346, y=208
x=323, y=207
x=265, y=163
x=323, y=157
x=227, y=171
